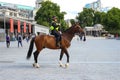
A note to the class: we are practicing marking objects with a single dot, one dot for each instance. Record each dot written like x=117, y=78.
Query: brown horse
x=48, y=41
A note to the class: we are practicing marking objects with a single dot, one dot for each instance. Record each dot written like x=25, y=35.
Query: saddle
x=58, y=41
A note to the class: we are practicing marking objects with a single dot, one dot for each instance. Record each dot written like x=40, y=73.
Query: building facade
x=97, y=6
x=16, y=19
x=94, y=5
x=95, y=30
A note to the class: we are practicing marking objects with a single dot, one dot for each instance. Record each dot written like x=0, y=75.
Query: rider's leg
x=58, y=39
x=57, y=42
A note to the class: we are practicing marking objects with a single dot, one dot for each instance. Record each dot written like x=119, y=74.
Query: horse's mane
x=67, y=29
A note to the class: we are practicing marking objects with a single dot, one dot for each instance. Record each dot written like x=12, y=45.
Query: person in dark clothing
x=19, y=40
x=55, y=30
x=7, y=41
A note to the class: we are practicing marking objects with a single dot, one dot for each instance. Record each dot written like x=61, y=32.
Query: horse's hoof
x=61, y=66
x=60, y=63
x=66, y=65
x=36, y=65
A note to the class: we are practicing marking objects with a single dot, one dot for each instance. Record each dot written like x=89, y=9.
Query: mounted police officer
x=55, y=30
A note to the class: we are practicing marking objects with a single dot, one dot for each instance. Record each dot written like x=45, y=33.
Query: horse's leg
x=35, y=59
x=67, y=54
x=61, y=55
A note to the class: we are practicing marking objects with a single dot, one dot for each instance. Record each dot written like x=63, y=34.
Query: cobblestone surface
x=95, y=59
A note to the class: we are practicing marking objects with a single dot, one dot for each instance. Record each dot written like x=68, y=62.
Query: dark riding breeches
x=57, y=35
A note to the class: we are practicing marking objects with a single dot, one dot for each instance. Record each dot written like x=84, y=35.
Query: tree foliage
x=45, y=13
x=98, y=17
x=72, y=21
x=110, y=20
x=86, y=17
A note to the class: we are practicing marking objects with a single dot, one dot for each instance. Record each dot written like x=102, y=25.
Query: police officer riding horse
x=55, y=30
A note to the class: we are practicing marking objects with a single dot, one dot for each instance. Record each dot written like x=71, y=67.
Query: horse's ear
x=77, y=23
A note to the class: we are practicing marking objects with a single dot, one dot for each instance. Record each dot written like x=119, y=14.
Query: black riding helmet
x=54, y=17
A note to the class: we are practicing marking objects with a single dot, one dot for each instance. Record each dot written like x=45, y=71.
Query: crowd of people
x=19, y=38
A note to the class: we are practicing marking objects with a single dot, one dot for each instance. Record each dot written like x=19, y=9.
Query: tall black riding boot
x=57, y=43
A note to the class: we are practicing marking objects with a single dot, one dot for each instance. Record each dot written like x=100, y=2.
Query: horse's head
x=79, y=30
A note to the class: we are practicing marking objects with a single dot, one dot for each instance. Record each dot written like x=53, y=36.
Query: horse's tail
x=30, y=48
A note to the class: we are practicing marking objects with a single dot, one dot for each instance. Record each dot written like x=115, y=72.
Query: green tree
x=45, y=13
x=112, y=21
x=72, y=21
x=98, y=17
x=86, y=17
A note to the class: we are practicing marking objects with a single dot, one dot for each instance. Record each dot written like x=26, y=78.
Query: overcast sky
x=72, y=7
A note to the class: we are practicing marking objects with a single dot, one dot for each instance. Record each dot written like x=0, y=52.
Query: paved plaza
x=95, y=59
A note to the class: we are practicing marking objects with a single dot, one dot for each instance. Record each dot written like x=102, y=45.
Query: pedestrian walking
x=7, y=40
x=19, y=40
